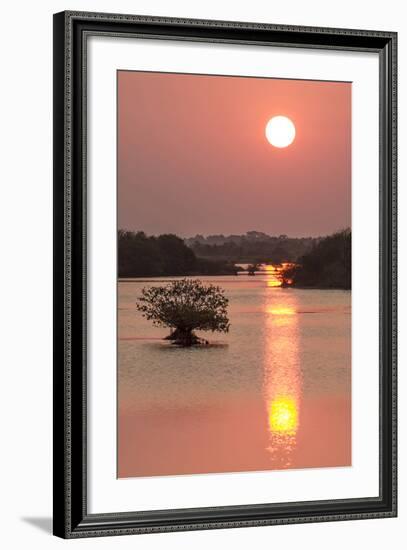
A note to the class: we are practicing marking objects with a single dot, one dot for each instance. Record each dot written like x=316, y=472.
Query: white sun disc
x=280, y=131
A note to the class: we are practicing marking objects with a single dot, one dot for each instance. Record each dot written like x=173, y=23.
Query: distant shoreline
x=322, y=264
x=165, y=278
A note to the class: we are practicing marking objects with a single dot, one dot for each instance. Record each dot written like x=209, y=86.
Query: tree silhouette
x=327, y=265
x=140, y=255
x=185, y=306
x=252, y=268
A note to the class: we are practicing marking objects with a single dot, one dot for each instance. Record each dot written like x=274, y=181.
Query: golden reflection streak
x=278, y=310
x=273, y=279
x=282, y=376
x=275, y=274
x=283, y=415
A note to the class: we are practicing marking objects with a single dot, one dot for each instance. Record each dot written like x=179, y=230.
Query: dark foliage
x=253, y=247
x=327, y=265
x=185, y=306
x=166, y=255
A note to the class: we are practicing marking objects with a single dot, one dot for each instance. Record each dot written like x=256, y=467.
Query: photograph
x=233, y=274
x=201, y=275
x=224, y=272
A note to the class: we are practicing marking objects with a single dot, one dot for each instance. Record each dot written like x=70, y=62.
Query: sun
x=280, y=131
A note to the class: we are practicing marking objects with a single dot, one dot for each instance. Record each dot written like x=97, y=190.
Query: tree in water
x=252, y=268
x=185, y=306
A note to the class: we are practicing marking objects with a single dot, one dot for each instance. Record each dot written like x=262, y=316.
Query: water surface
x=273, y=393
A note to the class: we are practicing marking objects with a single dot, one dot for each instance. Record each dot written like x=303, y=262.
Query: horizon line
x=205, y=236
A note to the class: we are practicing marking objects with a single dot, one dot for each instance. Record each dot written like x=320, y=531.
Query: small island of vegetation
x=185, y=306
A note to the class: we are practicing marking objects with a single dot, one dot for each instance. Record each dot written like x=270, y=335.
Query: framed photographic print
x=224, y=274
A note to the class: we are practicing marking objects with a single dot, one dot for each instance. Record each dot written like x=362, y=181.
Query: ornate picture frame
x=72, y=518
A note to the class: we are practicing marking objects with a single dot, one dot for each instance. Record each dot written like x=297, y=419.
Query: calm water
x=274, y=393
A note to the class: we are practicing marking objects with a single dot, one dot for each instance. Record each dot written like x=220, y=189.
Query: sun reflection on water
x=276, y=274
x=283, y=415
x=273, y=279
x=282, y=376
x=279, y=310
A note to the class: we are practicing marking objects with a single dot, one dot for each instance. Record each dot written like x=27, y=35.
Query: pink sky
x=193, y=156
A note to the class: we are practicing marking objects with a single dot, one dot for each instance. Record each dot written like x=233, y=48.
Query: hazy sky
x=193, y=156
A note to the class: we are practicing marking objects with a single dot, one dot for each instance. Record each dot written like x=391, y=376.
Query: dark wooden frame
x=71, y=518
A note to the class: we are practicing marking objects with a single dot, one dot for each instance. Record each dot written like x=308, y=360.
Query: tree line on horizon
x=252, y=247
x=167, y=255
x=327, y=265
x=324, y=263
